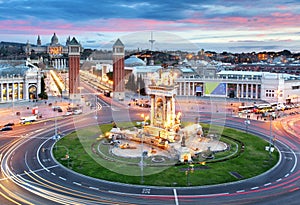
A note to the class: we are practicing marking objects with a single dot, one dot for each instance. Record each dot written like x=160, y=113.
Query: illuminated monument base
x=164, y=135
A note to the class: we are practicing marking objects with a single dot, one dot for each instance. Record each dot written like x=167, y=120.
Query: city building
x=61, y=57
x=270, y=87
x=19, y=82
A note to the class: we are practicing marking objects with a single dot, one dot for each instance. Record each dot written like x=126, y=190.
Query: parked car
x=9, y=124
x=59, y=109
x=6, y=128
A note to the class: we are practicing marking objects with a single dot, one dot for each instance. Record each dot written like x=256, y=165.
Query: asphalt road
x=30, y=174
x=35, y=177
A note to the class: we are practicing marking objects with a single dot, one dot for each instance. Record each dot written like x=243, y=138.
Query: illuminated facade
x=22, y=83
x=270, y=87
x=56, y=51
x=162, y=91
x=61, y=58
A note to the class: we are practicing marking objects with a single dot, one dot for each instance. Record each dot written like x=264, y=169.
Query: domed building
x=133, y=61
x=54, y=40
x=57, y=51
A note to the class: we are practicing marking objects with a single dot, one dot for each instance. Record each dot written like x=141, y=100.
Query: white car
x=68, y=113
x=77, y=112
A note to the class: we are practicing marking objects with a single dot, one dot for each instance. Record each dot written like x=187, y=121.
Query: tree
x=141, y=85
x=131, y=85
x=43, y=94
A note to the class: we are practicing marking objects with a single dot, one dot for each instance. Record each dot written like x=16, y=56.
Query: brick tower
x=74, y=49
x=118, y=70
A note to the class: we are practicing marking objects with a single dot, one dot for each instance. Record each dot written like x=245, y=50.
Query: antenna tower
x=151, y=41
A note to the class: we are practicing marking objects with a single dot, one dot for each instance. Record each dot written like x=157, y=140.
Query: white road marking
x=95, y=188
x=286, y=175
x=267, y=184
x=78, y=184
x=240, y=191
x=62, y=178
x=175, y=196
x=253, y=188
x=278, y=180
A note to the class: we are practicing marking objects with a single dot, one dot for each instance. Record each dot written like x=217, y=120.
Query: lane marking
x=267, y=184
x=53, y=174
x=240, y=191
x=175, y=197
x=94, y=188
x=253, y=188
x=286, y=175
x=278, y=180
x=76, y=183
x=62, y=178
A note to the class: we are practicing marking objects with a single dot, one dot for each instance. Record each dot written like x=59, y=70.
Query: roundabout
x=244, y=157
x=39, y=179
x=242, y=173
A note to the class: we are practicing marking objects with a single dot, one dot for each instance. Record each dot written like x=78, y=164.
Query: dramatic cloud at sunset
x=231, y=25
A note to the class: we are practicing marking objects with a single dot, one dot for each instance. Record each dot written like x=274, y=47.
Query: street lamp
x=80, y=88
x=96, y=113
x=270, y=145
x=247, y=123
x=189, y=170
x=142, y=164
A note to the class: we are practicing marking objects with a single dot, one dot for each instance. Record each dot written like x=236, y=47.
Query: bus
x=262, y=108
x=246, y=109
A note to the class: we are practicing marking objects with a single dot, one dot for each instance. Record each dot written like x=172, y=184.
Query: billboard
x=215, y=88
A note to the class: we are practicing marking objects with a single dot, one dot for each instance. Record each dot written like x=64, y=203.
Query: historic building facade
x=22, y=82
x=61, y=57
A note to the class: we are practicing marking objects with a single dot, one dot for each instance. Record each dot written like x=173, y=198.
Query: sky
x=213, y=25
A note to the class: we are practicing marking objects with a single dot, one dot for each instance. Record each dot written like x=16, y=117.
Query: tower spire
x=151, y=41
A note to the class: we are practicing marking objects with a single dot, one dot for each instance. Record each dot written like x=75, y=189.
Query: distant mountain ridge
x=4, y=43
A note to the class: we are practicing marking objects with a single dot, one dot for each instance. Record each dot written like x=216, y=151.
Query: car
x=59, y=109
x=9, y=124
x=68, y=113
x=77, y=112
x=6, y=128
x=55, y=108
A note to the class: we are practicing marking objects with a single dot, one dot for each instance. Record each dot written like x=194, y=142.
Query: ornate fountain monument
x=164, y=132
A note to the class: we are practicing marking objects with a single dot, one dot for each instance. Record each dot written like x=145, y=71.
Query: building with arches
x=19, y=82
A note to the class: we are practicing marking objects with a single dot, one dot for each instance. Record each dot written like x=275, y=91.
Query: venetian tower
x=164, y=122
x=118, y=70
x=74, y=50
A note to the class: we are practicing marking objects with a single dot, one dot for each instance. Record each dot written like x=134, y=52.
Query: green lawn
x=83, y=149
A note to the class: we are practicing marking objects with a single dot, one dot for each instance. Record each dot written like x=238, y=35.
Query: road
x=30, y=174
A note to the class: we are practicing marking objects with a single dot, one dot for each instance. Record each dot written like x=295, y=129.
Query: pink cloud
x=31, y=27
x=282, y=7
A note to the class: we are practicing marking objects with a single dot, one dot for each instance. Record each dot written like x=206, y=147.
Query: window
x=74, y=49
x=296, y=87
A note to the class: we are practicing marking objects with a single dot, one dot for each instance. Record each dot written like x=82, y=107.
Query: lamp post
x=247, y=123
x=189, y=170
x=142, y=164
x=270, y=144
x=96, y=113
